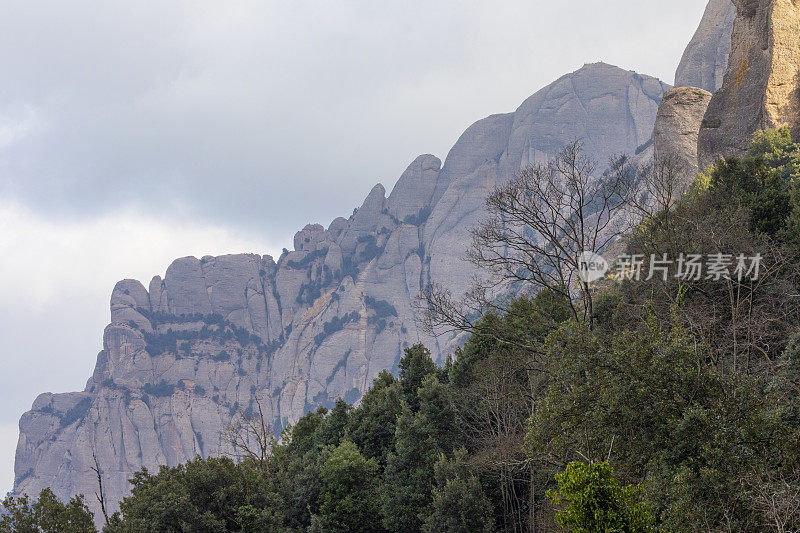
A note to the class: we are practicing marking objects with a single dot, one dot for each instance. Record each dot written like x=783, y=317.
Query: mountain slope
x=183, y=356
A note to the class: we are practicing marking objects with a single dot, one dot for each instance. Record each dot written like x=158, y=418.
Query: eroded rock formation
x=677, y=127
x=761, y=88
x=705, y=60
x=183, y=356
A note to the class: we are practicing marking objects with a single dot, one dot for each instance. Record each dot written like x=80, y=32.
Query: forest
x=649, y=400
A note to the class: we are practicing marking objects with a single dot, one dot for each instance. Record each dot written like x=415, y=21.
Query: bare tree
x=661, y=184
x=541, y=225
x=493, y=423
x=743, y=321
x=100, y=494
x=778, y=500
x=250, y=436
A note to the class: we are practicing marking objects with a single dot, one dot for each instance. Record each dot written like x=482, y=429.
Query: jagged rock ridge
x=181, y=357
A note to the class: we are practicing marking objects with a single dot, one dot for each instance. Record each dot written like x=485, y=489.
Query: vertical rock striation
x=705, y=60
x=761, y=88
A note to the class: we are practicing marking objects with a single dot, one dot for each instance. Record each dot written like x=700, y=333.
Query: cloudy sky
x=132, y=133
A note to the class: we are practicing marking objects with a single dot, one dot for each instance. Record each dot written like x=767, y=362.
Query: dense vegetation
x=46, y=514
x=673, y=405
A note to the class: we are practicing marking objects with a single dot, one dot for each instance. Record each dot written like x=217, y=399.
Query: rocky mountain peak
x=184, y=356
x=309, y=237
x=412, y=195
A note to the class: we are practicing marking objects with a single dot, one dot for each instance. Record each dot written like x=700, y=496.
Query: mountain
x=181, y=357
x=705, y=60
x=761, y=88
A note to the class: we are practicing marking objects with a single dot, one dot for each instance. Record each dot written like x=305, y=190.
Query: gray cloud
x=270, y=114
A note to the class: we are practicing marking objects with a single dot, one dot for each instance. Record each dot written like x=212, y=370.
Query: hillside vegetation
x=673, y=405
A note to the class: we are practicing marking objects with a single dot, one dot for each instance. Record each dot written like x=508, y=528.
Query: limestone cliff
x=182, y=356
x=705, y=60
x=761, y=88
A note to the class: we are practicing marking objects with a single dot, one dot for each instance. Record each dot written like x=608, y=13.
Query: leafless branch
x=100, y=494
x=538, y=226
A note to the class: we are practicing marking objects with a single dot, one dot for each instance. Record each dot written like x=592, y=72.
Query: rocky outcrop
x=677, y=127
x=761, y=89
x=705, y=60
x=412, y=196
x=217, y=334
x=609, y=109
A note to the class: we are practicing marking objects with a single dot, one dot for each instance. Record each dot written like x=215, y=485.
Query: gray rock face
x=413, y=193
x=309, y=237
x=610, y=117
x=610, y=110
x=761, y=88
x=180, y=359
x=128, y=296
x=678, y=125
x=705, y=60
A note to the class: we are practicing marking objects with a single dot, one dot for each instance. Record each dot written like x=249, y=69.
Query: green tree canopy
x=348, y=499
x=415, y=364
x=203, y=495
x=46, y=515
x=459, y=503
x=593, y=501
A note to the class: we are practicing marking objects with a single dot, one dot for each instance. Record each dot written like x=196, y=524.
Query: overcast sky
x=134, y=133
